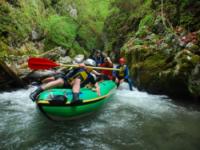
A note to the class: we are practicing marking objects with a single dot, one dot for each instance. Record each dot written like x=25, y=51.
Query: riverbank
x=15, y=72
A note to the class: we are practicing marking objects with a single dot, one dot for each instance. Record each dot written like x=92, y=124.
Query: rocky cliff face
x=164, y=65
x=162, y=46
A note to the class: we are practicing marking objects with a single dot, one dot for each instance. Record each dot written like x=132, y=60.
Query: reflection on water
x=132, y=120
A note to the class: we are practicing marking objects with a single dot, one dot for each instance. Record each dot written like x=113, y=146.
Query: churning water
x=131, y=120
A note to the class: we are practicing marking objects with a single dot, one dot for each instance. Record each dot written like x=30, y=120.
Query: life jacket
x=91, y=79
x=121, y=72
x=79, y=73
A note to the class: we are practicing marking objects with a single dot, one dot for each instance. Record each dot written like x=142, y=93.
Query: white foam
x=146, y=102
x=18, y=100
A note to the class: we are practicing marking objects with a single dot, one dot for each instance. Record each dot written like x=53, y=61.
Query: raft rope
x=46, y=102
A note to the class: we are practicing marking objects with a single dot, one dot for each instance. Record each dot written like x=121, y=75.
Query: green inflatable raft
x=56, y=103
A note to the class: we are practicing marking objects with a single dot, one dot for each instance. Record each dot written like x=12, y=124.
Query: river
x=131, y=120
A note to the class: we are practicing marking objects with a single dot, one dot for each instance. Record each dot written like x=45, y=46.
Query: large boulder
x=161, y=66
x=194, y=81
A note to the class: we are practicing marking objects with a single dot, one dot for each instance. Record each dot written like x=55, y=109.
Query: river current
x=131, y=120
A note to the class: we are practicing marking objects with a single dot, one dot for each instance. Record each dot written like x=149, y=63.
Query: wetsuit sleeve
x=126, y=73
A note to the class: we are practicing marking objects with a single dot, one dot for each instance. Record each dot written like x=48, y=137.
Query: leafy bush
x=60, y=30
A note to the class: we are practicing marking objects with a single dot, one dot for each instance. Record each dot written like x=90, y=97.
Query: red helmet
x=122, y=60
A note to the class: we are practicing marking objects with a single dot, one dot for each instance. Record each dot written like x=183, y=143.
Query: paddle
x=44, y=63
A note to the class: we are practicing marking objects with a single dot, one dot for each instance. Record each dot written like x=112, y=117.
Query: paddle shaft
x=44, y=63
x=98, y=68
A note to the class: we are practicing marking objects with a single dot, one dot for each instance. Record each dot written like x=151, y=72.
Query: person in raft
x=77, y=78
x=78, y=59
x=97, y=57
x=123, y=74
x=107, y=74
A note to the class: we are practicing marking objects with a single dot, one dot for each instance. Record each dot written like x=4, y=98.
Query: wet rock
x=39, y=75
x=193, y=48
x=194, y=82
x=65, y=60
x=35, y=35
x=55, y=53
x=159, y=65
x=78, y=59
x=9, y=78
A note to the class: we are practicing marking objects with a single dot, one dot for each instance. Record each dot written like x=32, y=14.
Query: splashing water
x=132, y=120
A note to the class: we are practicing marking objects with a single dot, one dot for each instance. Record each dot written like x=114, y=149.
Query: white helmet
x=90, y=62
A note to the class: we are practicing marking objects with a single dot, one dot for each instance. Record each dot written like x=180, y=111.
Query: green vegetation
x=60, y=31
x=81, y=25
x=75, y=25
x=159, y=38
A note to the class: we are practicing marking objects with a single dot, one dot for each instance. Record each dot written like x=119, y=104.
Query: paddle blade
x=41, y=63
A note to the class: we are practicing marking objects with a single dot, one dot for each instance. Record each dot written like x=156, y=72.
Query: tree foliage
x=124, y=18
x=81, y=25
x=60, y=30
x=72, y=24
x=138, y=17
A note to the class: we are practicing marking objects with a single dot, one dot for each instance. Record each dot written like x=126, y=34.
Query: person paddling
x=123, y=74
x=75, y=79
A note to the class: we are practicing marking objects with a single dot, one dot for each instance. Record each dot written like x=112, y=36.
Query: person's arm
x=97, y=88
x=96, y=73
x=81, y=65
x=110, y=62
